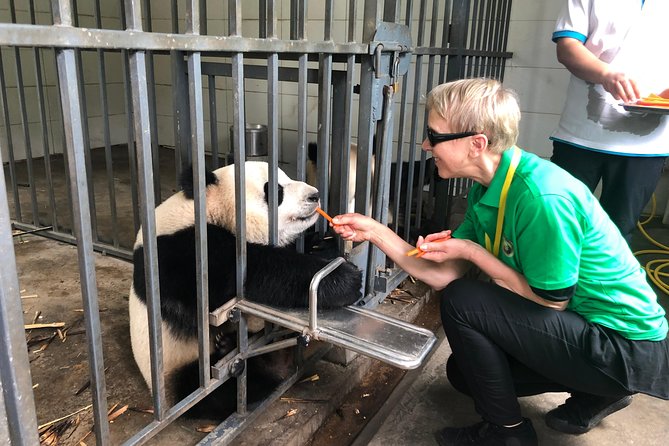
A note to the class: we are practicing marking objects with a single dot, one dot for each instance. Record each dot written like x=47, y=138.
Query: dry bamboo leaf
x=311, y=378
x=45, y=425
x=49, y=325
x=42, y=348
x=118, y=413
x=142, y=409
x=112, y=408
x=287, y=399
x=290, y=413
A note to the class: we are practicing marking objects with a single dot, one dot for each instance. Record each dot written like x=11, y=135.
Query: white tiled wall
x=534, y=72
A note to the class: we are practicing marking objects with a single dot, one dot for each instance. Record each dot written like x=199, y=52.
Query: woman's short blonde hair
x=478, y=105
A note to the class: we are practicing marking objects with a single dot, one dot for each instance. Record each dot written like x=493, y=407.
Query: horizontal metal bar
x=103, y=248
x=70, y=37
x=438, y=51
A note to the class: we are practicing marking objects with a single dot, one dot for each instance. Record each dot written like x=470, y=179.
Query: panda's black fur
x=276, y=276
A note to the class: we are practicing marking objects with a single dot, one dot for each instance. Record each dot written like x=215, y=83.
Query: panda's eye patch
x=279, y=193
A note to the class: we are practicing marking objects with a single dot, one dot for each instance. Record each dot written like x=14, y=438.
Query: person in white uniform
x=613, y=48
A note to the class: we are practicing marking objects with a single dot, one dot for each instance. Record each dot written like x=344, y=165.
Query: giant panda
x=276, y=275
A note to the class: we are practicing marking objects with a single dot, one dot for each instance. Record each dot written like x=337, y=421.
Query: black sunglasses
x=435, y=138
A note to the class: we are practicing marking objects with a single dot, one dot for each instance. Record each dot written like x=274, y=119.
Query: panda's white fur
x=275, y=275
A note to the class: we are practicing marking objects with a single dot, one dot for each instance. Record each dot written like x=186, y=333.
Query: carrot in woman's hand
x=324, y=214
x=419, y=252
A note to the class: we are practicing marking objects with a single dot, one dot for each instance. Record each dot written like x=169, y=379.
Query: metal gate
x=104, y=103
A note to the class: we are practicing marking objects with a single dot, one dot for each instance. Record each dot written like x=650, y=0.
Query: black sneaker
x=488, y=434
x=581, y=412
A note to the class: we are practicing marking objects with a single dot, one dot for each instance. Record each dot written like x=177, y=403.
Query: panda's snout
x=314, y=197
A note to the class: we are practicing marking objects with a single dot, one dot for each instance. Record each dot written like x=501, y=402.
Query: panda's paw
x=342, y=287
x=224, y=343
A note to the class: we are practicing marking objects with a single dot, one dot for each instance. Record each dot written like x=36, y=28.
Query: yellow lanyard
x=502, y=204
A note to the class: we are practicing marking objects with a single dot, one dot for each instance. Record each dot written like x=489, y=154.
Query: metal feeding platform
x=365, y=331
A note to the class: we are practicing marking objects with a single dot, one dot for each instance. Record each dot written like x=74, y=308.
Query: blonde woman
x=567, y=306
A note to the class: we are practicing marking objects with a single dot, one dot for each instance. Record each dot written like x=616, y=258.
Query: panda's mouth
x=305, y=217
x=310, y=217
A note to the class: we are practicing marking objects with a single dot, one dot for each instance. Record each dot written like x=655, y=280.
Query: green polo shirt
x=556, y=234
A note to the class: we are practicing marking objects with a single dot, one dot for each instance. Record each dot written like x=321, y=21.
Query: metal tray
x=646, y=109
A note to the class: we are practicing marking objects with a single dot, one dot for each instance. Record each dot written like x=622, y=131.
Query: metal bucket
x=255, y=139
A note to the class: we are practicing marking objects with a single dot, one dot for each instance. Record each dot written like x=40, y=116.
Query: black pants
x=505, y=346
x=628, y=182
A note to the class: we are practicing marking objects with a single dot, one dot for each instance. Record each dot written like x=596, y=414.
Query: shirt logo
x=507, y=247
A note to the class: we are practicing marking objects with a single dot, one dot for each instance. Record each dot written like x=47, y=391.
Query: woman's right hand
x=354, y=227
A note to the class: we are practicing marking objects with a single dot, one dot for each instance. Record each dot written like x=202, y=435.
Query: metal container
x=255, y=139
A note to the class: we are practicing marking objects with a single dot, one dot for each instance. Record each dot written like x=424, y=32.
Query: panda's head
x=296, y=212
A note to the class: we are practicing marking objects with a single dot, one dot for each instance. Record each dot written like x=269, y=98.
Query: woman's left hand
x=440, y=247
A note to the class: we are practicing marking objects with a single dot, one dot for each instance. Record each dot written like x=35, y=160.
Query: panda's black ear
x=186, y=180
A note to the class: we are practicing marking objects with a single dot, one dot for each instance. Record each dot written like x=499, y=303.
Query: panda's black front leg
x=281, y=277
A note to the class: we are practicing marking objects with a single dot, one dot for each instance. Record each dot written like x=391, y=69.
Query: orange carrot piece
x=324, y=214
x=419, y=252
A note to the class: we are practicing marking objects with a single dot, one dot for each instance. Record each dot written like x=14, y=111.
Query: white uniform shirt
x=631, y=38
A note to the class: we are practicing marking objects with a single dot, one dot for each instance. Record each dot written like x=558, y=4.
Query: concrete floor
x=431, y=403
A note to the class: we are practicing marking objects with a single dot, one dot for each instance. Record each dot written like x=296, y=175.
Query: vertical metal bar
x=199, y=192
x=495, y=38
x=391, y=10
x=239, y=125
x=327, y=32
x=300, y=34
x=459, y=27
x=262, y=19
x=298, y=17
x=203, y=17
x=487, y=37
x=475, y=36
x=132, y=160
x=10, y=144
x=429, y=85
x=366, y=125
x=273, y=125
x=104, y=106
x=345, y=153
x=41, y=102
x=399, y=157
x=88, y=152
x=445, y=43
x=18, y=407
x=180, y=101
x=150, y=74
x=384, y=150
x=20, y=90
x=414, y=122
x=72, y=114
x=213, y=121
x=324, y=117
x=505, y=36
x=144, y=164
